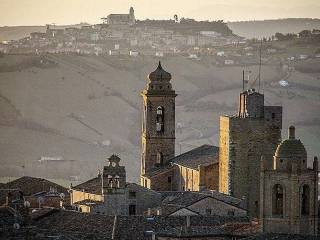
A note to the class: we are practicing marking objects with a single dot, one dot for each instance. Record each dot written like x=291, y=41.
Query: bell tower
x=158, y=122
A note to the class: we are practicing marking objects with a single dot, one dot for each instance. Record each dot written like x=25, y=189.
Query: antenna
x=259, y=76
x=243, y=80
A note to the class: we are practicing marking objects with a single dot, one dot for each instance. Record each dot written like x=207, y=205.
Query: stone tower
x=131, y=16
x=289, y=191
x=244, y=137
x=158, y=122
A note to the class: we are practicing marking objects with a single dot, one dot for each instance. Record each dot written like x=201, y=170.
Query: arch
x=160, y=119
x=277, y=200
x=305, y=200
x=159, y=110
x=159, y=158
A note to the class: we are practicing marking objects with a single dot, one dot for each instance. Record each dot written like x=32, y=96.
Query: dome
x=291, y=146
x=159, y=74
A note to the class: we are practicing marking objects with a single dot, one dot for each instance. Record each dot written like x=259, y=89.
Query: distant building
x=289, y=191
x=37, y=191
x=110, y=194
x=254, y=131
x=122, y=19
x=228, y=62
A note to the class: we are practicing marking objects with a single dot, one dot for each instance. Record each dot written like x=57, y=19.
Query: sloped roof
x=205, y=154
x=75, y=225
x=30, y=186
x=187, y=198
x=93, y=186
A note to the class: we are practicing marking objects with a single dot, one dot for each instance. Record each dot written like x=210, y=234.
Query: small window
x=159, y=110
x=231, y=213
x=132, y=209
x=132, y=194
x=159, y=158
x=273, y=115
x=169, y=179
x=208, y=211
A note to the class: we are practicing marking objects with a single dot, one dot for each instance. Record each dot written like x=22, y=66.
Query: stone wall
x=292, y=221
x=243, y=140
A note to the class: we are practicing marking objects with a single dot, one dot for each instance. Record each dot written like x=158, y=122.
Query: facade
x=254, y=131
x=289, y=191
x=110, y=194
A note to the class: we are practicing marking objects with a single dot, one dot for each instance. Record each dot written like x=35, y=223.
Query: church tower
x=158, y=122
x=289, y=191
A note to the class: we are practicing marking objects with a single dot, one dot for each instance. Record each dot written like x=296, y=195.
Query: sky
x=41, y=12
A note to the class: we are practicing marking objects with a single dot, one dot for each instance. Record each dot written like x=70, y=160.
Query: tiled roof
x=186, y=198
x=30, y=186
x=74, y=225
x=93, y=186
x=205, y=154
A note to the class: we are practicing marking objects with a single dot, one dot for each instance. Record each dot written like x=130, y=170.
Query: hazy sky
x=40, y=12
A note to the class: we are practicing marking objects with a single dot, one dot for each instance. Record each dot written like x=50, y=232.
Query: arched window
x=305, y=200
x=117, y=181
x=159, y=158
x=277, y=200
x=160, y=119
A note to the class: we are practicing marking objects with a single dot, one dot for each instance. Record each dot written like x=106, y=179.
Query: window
x=273, y=115
x=169, y=179
x=277, y=200
x=132, y=194
x=231, y=213
x=208, y=211
x=305, y=200
x=159, y=158
x=160, y=119
x=132, y=209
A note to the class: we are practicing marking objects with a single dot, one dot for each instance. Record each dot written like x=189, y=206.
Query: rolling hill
x=81, y=109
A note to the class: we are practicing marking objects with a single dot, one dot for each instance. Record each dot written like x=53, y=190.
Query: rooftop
x=93, y=186
x=30, y=186
x=205, y=154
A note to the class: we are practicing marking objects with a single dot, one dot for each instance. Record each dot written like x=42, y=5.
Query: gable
x=184, y=212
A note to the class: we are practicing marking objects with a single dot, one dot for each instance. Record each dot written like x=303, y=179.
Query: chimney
x=9, y=199
x=315, y=163
x=291, y=132
x=188, y=221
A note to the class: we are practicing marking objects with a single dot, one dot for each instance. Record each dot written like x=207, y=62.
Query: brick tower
x=158, y=122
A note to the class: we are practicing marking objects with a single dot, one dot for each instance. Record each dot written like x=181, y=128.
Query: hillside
x=267, y=28
x=84, y=108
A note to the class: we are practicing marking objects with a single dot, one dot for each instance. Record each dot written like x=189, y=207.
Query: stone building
x=122, y=19
x=244, y=137
x=289, y=191
x=161, y=170
x=110, y=194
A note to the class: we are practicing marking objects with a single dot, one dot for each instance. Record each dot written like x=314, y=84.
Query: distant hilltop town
x=123, y=34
